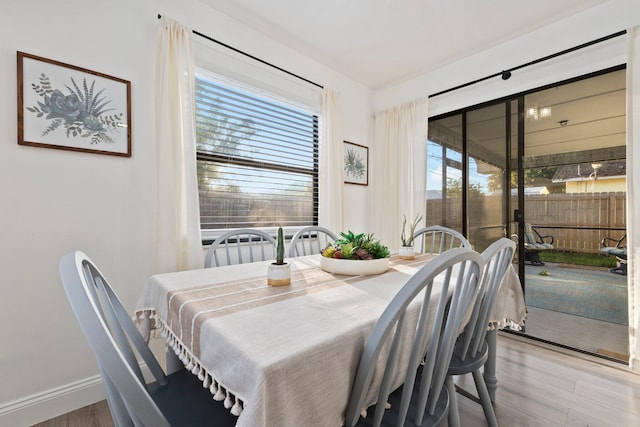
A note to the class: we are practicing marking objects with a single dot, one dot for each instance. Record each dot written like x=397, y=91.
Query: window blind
x=257, y=159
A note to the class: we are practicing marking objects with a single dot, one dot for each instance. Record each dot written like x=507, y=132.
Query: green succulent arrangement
x=356, y=246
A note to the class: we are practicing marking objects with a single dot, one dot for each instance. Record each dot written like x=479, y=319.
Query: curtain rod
x=253, y=57
x=506, y=74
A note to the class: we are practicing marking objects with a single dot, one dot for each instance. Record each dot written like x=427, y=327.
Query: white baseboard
x=51, y=403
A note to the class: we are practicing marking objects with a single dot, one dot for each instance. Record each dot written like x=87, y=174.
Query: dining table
x=285, y=355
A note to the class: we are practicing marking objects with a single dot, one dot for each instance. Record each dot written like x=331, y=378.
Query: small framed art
x=356, y=163
x=71, y=108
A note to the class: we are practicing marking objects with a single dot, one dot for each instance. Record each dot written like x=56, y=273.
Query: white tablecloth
x=509, y=308
x=285, y=363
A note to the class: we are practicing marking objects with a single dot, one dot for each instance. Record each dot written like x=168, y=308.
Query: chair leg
x=485, y=400
x=620, y=268
x=537, y=260
x=533, y=258
x=454, y=415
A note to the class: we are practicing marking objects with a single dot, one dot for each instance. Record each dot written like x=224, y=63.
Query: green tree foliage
x=454, y=189
x=533, y=177
x=219, y=134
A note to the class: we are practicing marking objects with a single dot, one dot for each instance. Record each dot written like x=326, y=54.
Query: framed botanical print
x=356, y=163
x=71, y=108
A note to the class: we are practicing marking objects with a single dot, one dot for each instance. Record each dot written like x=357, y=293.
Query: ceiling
x=378, y=42
x=586, y=123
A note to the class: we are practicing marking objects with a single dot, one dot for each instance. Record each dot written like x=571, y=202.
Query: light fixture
x=532, y=113
x=544, y=112
x=594, y=174
x=536, y=113
x=506, y=75
x=563, y=122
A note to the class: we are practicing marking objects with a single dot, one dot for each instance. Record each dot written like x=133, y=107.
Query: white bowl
x=354, y=267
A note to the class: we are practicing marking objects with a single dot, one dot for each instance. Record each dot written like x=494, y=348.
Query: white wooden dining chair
x=471, y=349
x=178, y=399
x=418, y=347
x=240, y=246
x=436, y=239
x=310, y=240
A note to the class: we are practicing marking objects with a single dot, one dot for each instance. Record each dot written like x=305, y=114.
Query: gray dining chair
x=178, y=399
x=310, y=240
x=416, y=344
x=240, y=246
x=436, y=239
x=471, y=349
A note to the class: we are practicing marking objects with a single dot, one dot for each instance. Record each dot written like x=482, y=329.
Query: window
x=257, y=159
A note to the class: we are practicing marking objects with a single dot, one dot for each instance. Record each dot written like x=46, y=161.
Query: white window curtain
x=633, y=199
x=179, y=244
x=398, y=172
x=331, y=171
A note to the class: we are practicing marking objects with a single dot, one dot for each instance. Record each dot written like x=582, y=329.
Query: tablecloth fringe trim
x=220, y=392
x=507, y=323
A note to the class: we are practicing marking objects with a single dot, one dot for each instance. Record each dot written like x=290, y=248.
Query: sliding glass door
x=444, y=205
x=487, y=169
x=467, y=182
x=574, y=168
x=548, y=169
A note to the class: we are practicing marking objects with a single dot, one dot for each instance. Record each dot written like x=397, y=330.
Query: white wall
x=55, y=201
x=609, y=18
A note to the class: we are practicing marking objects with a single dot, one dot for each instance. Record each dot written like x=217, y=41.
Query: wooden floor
x=586, y=334
x=96, y=415
x=539, y=386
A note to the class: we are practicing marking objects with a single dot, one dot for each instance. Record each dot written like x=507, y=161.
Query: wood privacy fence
x=577, y=221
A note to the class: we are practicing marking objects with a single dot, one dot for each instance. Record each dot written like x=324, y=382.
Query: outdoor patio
x=578, y=306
